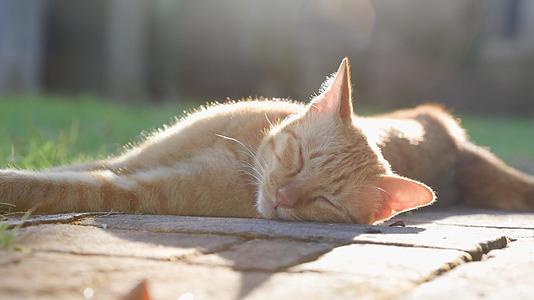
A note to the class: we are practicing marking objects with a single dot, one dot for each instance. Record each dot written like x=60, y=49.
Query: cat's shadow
x=247, y=230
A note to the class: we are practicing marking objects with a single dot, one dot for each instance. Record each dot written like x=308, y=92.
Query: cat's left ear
x=336, y=100
x=401, y=194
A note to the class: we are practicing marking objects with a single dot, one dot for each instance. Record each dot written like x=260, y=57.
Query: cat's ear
x=401, y=194
x=336, y=98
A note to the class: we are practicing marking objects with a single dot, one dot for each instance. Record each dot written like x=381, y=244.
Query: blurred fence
x=471, y=55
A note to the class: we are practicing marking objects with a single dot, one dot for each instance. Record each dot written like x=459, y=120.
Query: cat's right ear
x=401, y=194
x=336, y=100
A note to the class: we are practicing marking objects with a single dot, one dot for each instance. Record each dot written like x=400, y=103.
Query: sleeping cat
x=280, y=159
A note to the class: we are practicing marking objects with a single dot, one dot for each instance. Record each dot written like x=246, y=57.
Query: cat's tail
x=68, y=191
x=486, y=181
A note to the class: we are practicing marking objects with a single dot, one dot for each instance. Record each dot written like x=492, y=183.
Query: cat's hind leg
x=486, y=181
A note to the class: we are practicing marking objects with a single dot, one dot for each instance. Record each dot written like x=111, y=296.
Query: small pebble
x=398, y=224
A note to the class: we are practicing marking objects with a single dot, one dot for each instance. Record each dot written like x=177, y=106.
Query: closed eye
x=326, y=200
x=300, y=165
x=301, y=160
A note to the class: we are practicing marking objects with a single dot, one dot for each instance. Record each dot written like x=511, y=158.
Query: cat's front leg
x=207, y=185
x=67, y=191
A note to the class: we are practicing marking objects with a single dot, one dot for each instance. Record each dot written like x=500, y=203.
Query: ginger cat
x=280, y=159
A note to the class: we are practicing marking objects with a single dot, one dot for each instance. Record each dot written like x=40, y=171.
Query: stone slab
x=426, y=235
x=390, y=263
x=470, y=217
x=93, y=240
x=52, y=275
x=263, y=259
x=251, y=228
x=512, y=225
x=11, y=256
x=506, y=274
x=264, y=255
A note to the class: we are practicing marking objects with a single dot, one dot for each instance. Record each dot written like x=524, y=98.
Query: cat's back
x=213, y=128
x=420, y=143
x=245, y=111
x=235, y=119
x=428, y=123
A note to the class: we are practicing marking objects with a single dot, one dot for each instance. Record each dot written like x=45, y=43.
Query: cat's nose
x=286, y=197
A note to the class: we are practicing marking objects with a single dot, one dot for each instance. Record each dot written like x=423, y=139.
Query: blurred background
x=104, y=70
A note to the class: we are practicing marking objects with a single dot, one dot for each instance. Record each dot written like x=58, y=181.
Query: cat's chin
x=265, y=207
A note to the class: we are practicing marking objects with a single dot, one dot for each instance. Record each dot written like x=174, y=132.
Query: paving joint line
x=485, y=248
x=480, y=226
x=71, y=219
x=243, y=235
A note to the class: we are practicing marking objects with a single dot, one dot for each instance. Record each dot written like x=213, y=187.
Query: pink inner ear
x=337, y=98
x=402, y=194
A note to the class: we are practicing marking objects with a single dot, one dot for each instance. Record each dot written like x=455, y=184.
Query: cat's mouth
x=267, y=209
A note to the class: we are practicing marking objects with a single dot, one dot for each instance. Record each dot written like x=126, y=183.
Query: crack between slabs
x=69, y=218
x=243, y=235
x=478, y=256
x=176, y=258
x=484, y=226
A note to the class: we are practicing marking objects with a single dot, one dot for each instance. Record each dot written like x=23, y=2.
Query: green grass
x=39, y=132
x=510, y=138
x=6, y=236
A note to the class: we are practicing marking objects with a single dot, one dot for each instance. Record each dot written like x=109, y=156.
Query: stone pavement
x=458, y=253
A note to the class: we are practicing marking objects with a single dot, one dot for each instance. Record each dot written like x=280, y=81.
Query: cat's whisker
x=260, y=165
x=250, y=153
x=257, y=166
x=376, y=188
x=249, y=149
x=253, y=177
x=250, y=166
x=268, y=121
x=386, y=193
x=251, y=182
x=251, y=171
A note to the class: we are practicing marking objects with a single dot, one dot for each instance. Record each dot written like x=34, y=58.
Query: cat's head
x=319, y=166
